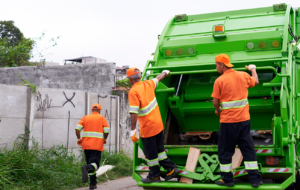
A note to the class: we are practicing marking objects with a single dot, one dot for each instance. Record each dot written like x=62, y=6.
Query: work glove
x=250, y=67
x=167, y=72
x=79, y=142
x=133, y=136
x=218, y=113
x=104, y=141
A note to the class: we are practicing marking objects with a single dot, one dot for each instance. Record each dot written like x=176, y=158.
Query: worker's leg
x=164, y=161
x=226, y=148
x=87, y=156
x=246, y=145
x=85, y=168
x=94, y=160
x=150, y=151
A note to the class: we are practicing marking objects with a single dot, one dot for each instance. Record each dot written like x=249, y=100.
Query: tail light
x=272, y=160
x=219, y=28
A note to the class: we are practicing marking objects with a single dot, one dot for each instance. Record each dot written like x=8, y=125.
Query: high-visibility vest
x=94, y=126
x=142, y=101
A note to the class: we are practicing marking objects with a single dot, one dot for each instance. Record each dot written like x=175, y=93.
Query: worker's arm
x=134, y=106
x=216, y=103
x=162, y=75
x=105, y=135
x=134, y=118
x=77, y=133
x=252, y=68
x=105, y=127
x=254, y=75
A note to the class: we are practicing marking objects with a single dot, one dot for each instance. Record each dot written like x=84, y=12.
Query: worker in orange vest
x=230, y=99
x=95, y=133
x=143, y=107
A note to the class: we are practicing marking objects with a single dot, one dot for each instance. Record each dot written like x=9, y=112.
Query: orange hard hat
x=131, y=72
x=223, y=58
x=96, y=107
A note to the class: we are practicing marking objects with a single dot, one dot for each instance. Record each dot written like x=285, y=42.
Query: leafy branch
x=123, y=83
x=32, y=87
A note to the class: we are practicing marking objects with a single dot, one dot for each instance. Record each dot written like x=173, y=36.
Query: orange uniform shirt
x=231, y=89
x=94, y=126
x=142, y=101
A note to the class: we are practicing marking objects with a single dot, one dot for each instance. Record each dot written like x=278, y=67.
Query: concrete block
x=87, y=77
x=53, y=85
x=54, y=132
x=13, y=102
x=10, y=129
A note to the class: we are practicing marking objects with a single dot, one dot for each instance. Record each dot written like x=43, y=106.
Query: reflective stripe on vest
x=79, y=127
x=92, y=134
x=146, y=110
x=134, y=109
x=153, y=162
x=162, y=156
x=105, y=130
x=251, y=165
x=155, y=81
x=234, y=104
x=225, y=167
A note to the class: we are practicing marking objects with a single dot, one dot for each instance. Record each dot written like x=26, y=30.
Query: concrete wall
x=13, y=114
x=85, y=77
x=52, y=116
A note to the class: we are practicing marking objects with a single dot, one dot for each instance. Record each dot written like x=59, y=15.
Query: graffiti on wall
x=44, y=104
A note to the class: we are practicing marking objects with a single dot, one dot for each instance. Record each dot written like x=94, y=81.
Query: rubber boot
x=171, y=174
x=150, y=180
x=255, y=185
x=85, y=175
x=92, y=186
x=221, y=182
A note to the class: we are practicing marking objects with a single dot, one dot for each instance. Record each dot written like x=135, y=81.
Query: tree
x=124, y=83
x=13, y=56
x=16, y=50
x=9, y=31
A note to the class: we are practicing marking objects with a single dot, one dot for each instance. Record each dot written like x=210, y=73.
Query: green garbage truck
x=267, y=37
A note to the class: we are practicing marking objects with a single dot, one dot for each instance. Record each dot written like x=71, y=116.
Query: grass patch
x=53, y=169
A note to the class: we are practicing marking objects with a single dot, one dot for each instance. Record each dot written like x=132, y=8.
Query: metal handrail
x=214, y=71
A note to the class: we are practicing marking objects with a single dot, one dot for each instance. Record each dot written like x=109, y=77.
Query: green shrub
x=52, y=169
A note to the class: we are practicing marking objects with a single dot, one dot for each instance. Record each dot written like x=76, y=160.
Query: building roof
x=79, y=59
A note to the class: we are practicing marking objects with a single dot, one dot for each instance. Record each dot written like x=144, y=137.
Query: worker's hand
x=250, y=67
x=167, y=72
x=218, y=112
x=79, y=142
x=104, y=141
x=133, y=136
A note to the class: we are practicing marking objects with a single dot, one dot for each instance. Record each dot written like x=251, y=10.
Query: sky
x=120, y=31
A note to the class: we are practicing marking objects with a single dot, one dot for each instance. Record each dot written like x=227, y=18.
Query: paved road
x=126, y=183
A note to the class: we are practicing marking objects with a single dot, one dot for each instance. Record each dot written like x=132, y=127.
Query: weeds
x=52, y=169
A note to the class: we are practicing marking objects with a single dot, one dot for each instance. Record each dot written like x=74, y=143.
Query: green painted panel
x=200, y=116
x=230, y=24
x=207, y=61
x=234, y=13
x=200, y=86
x=255, y=22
